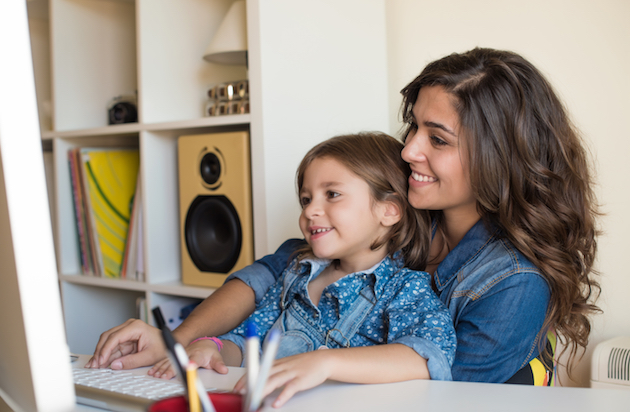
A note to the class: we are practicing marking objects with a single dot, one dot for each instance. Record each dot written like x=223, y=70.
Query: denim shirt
x=497, y=298
x=384, y=304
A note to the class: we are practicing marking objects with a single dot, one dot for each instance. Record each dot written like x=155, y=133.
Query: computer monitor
x=35, y=370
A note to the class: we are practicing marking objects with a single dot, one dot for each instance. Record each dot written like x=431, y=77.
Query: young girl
x=348, y=288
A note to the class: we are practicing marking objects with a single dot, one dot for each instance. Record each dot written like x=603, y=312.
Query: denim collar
x=466, y=250
x=382, y=271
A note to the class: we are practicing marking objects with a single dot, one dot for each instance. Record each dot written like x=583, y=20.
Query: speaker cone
x=210, y=168
x=213, y=234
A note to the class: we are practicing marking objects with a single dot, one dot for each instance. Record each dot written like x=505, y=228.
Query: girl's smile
x=317, y=232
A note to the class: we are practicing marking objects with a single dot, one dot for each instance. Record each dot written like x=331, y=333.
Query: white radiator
x=610, y=366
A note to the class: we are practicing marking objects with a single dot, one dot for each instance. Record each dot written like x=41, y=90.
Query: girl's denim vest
x=300, y=332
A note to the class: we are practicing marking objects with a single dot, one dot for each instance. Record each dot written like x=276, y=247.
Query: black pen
x=177, y=355
x=169, y=341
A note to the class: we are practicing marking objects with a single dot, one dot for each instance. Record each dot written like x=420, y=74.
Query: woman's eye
x=304, y=201
x=436, y=141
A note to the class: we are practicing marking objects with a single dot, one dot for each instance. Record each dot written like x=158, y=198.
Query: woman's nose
x=414, y=150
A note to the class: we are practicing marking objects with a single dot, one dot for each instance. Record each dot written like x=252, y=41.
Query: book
x=83, y=229
x=77, y=206
x=140, y=246
x=130, y=266
x=109, y=181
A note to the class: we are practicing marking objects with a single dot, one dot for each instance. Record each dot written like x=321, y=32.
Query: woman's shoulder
x=500, y=261
x=483, y=260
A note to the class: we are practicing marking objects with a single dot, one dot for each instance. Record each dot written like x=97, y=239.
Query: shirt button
x=328, y=295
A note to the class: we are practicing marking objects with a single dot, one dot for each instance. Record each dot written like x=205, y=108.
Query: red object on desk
x=223, y=402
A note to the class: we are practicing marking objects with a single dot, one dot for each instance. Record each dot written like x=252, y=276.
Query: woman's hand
x=135, y=344
x=130, y=345
x=296, y=373
x=204, y=353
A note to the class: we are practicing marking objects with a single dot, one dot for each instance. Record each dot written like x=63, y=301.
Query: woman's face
x=436, y=153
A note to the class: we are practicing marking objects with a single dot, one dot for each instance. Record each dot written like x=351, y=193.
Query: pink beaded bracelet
x=213, y=339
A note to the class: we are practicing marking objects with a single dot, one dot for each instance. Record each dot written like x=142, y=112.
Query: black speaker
x=215, y=206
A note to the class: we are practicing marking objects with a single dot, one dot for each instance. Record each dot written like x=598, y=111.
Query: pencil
x=182, y=358
x=193, y=397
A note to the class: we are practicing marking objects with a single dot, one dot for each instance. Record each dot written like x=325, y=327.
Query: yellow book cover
x=111, y=176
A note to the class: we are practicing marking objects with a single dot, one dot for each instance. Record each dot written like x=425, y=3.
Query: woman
x=496, y=160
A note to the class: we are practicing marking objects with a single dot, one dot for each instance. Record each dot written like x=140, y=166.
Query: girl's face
x=340, y=219
x=435, y=151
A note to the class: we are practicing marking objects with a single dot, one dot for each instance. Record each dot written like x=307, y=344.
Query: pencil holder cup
x=223, y=402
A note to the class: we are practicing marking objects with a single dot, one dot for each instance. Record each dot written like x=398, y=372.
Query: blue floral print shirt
x=405, y=310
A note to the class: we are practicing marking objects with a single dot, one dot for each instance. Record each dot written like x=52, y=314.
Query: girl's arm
x=134, y=343
x=226, y=308
x=233, y=302
x=366, y=364
x=264, y=316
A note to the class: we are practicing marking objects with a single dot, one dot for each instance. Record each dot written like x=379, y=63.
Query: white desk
x=436, y=396
x=433, y=396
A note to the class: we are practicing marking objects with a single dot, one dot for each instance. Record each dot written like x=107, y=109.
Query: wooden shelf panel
x=175, y=288
x=184, y=126
x=124, y=284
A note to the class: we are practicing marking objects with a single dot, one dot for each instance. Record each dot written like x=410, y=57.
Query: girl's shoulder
x=404, y=276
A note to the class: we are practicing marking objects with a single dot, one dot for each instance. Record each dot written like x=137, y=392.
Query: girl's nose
x=313, y=209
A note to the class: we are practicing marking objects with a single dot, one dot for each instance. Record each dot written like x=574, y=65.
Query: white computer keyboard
x=126, y=383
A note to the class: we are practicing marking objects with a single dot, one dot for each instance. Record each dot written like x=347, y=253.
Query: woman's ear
x=391, y=214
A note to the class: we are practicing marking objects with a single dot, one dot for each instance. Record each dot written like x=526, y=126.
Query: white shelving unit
x=316, y=69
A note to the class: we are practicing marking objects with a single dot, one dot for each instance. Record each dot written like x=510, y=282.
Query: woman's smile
x=419, y=177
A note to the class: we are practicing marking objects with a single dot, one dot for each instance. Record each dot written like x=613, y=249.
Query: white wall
x=311, y=87
x=583, y=47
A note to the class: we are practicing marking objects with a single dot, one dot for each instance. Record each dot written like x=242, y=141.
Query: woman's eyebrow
x=440, y=126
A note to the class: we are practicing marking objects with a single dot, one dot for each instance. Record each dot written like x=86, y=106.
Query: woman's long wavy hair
x=530, y=173
x=375, y=158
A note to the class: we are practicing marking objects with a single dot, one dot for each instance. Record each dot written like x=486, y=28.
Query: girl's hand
x=296, y=373
x=204, y=353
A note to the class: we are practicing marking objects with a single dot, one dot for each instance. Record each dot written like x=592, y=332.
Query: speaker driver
x=210, y=168
x=213, y=234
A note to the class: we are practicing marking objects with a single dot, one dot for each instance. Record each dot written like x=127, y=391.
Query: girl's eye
x=304, y=201
x=331, y=194
x=436, y=141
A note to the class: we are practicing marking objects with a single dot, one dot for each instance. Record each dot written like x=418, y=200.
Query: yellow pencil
x=193, y=397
